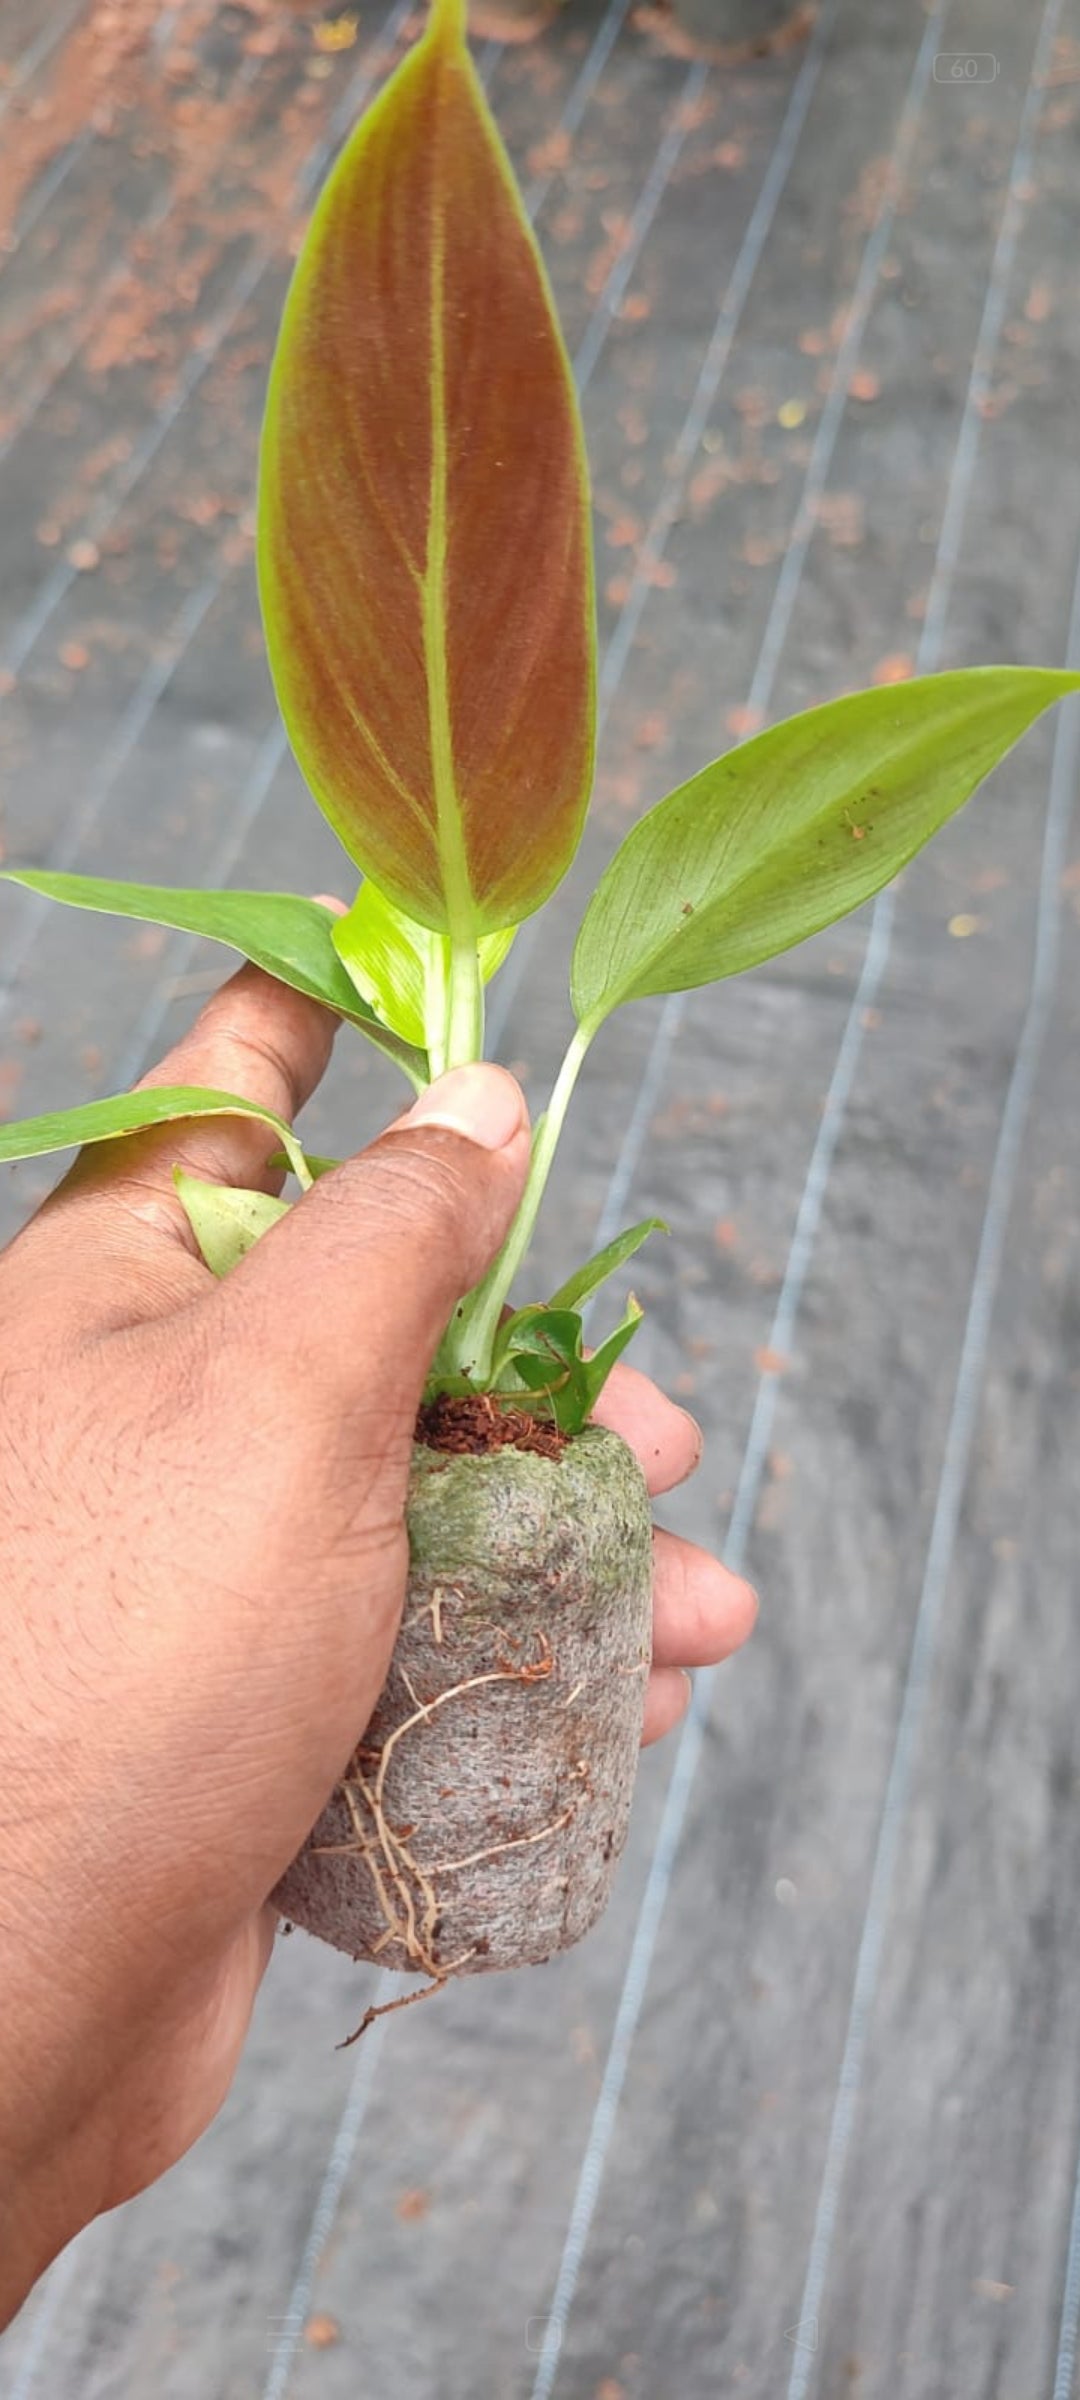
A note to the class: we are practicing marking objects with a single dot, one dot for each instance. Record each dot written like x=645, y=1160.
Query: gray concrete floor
x=802, y=2118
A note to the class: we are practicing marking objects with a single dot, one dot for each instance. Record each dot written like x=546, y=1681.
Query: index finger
x=664, y=1438
x=128, y=1249
x=255, y=1037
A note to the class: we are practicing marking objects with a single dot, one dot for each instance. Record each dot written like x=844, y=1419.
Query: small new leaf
x=541, y=1351
x=540, y=1355
x=793, y=829
x=580, y=1287
x=225, y=1220
x=599, y=1366
x=399, y=967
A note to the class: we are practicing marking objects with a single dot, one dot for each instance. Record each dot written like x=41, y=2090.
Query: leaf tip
x=448, y=22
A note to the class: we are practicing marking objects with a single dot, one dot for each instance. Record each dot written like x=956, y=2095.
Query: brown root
x=390, y=1863
x=388, y=2008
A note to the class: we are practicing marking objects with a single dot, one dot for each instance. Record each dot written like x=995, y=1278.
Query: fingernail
x=483, y=1104
x=699, y=1440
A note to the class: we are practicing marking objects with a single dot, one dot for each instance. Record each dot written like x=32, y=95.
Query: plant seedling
x=426, y=579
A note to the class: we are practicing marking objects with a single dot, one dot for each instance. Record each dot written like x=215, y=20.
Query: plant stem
x=469, y=1342
x=464, y=1040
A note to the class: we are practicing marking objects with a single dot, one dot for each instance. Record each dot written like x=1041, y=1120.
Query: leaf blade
x=542, y=1350
x=226, y=1220
x=441, y=704
x=588, y=1279
x=287, y=936
x=608, y=1353
x=136, y=1112
x=794, y=829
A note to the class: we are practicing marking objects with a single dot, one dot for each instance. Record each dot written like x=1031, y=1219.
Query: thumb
x=355, y=1287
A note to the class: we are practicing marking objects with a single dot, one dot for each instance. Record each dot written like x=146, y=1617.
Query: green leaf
x=543, y=1350
x=135, y=1112
x=494, y=948
x=537, y=1331
x=315, y=1166
x=793, y=829
x=291, y=938
x=540, y=1350
x=225, y=1220
x=400, y=967
x=588, y=1279
x=607, y=1355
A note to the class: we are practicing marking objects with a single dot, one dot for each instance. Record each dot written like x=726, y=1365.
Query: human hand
x=197, y=1480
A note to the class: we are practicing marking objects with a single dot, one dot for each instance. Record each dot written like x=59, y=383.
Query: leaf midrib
x=433, y=605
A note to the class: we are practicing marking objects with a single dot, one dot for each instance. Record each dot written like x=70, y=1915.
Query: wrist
x=57, y=2144
x=51, y=2180
x=37, y=2220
